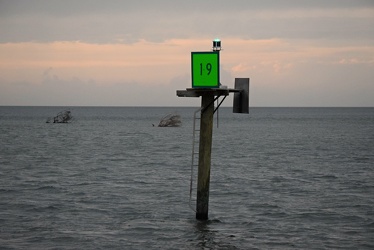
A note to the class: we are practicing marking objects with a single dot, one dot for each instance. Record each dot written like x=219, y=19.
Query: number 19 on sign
x=208, y=68
x=205, y=69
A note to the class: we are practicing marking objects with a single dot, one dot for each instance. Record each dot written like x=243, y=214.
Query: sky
x=297, y=53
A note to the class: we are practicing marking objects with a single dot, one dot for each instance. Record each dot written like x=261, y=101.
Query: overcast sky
x=137, y=52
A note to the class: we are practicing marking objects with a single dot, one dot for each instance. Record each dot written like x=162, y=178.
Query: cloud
x=296, y=52
x=75, y=73
x=158, y=21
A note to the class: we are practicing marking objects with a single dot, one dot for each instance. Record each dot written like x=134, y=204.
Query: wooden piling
x=205, y=143
x=205, y=149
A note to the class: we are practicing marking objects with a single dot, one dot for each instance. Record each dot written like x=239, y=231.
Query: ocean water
x=281, y=178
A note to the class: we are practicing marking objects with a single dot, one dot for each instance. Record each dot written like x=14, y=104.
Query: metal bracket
x=219, y=103
x=212, y=102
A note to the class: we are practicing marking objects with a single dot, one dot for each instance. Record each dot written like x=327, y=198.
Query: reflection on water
x=209, y=236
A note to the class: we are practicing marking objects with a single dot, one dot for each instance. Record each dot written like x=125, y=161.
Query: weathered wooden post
x=205, y=149
x=206, y=83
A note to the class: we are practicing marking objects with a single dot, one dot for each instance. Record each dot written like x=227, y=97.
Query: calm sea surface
x=281, y=178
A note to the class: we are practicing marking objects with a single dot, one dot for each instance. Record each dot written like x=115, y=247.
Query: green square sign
x=205, y=69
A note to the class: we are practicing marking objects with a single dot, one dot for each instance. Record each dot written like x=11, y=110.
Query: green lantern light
x=216, y=44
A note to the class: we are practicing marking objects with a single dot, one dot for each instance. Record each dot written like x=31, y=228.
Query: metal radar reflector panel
x=205, y=69
x=241, y=98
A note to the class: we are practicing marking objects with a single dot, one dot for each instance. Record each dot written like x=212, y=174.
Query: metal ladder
x=195, y=150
